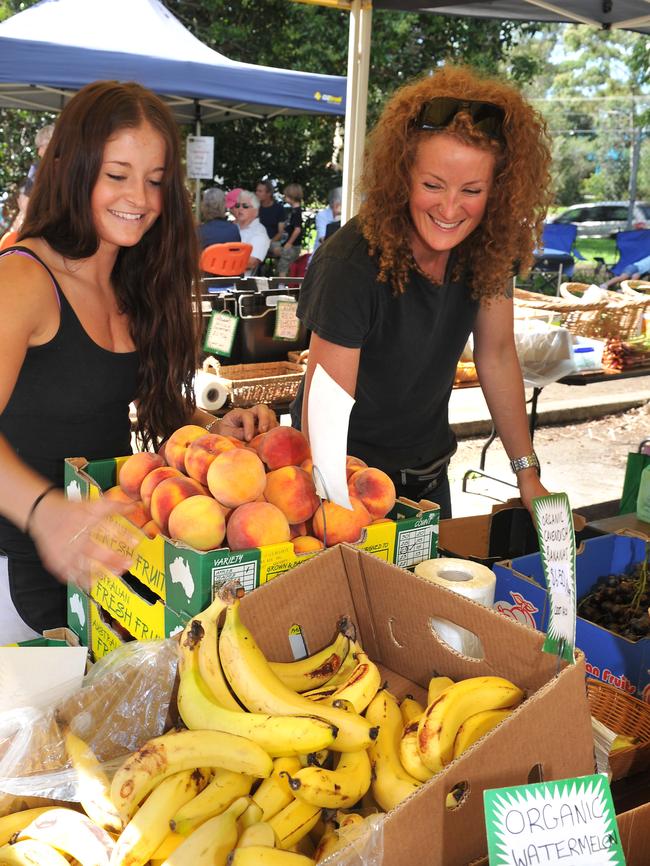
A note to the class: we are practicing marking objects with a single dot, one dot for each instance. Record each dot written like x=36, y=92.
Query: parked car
x=604, y=218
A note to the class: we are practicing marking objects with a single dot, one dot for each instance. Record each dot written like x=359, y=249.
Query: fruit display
x=278, y=763
x=210, y=491
x=620, y=603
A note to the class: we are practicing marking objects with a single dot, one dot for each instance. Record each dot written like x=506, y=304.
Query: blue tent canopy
x=56, y=47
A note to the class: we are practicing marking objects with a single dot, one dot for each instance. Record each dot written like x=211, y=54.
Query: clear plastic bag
x=123, y=702
x=545, y=352
x=365, y=844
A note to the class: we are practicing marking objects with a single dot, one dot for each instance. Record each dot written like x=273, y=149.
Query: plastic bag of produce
x=124, y=701
x=545, y=352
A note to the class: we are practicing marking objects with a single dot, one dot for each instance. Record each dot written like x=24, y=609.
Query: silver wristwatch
x=530, y=461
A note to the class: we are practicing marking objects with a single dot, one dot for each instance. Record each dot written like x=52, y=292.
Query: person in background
x=290, y=248
x=42, y=139
x=329, y=214
x=272, y=212
x=638, y=270
x=215, y=229
x=455, y=188
x=99, y=308
x=251, y=229
x=232, y=197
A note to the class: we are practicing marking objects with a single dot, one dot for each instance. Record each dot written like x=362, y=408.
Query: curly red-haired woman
x=455, y=188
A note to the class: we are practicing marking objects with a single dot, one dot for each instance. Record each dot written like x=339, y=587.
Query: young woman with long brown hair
x=455, y=189
x=99, y=307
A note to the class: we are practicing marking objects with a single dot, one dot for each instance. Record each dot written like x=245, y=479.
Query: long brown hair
x=155, y=281
x=520, y=194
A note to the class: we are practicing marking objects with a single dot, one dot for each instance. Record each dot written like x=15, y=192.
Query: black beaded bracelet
x=36, y=503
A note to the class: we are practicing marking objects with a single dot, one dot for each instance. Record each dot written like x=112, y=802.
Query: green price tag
x=557, y=545
x=220, y=333
x=287, y=324
x=570, y=822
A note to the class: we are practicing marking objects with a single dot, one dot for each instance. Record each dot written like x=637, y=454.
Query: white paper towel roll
x=469, y=579
x=211, y=391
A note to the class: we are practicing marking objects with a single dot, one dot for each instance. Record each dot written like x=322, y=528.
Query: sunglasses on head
x=241, y=204
x=438, y=113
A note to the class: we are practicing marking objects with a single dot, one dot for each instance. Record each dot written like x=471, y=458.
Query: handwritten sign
x=567, y=822
x=557, y=545
x=287, y=323
x=220, y=333
x=200, y=156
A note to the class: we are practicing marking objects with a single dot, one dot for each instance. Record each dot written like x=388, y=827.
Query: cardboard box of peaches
x=213, y=510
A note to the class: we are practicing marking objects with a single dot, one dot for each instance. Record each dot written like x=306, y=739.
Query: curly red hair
x=518, y=200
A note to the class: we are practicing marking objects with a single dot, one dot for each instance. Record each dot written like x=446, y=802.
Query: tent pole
x=356, y=100
x=197, y=182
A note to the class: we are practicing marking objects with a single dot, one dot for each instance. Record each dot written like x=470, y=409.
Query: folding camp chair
x=631, y=246
x=555, y=262
x=226, y=260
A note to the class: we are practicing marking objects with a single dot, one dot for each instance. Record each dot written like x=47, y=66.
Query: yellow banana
x=201, y=636
x=334, y=789
x=71, y=833
x=210, y=843
x=251, y=815
x=334, y=838
x=169, y=843
x=437, y=685
x=224, y=788
x=183, y=750
x=149, y=827
x=258, y=855
x=316, y=759
x=259, y=689
x=408, y=752
x=257, y=834
x=361, y=686
x=328, y=688
x=390, y=783
x=293, y=822
x=315, y=670
x=474, y=727
x=410, y=709
x=30, y=852
x=441, y=720
x=274, y=793
x=14, y=823
x=94, y=787
x=278, y=735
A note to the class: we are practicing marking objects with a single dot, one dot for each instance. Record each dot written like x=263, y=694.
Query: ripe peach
x=283, y=446
x=353, y=464
x=198, y=522
x=236, y=442
x=116, y=494
x=293, y=492
x=153, y=479
x=168, y=494
x=256, y=441
x=306, y=544
x=308, y=466
x=334, y=524
x=299, y=529
x=135, y=469
x=177, y=443
x=236, y=476
x=375, y=489
x=151, y=529
x=200, y=453
x=255, y=524
x=138, y=513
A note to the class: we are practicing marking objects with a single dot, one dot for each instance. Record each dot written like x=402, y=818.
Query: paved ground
x=582, y=453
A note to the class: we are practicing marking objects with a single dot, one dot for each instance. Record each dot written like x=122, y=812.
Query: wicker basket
x=613, y=315
x=272, y=382
x=626, y=715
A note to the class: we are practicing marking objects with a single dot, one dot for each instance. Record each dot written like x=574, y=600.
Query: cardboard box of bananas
x=286, y=762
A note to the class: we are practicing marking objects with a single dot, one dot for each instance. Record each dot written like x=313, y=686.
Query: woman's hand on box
x=245, y=424
x=72, y=537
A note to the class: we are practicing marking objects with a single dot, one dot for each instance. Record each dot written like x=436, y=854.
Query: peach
x=200, y=453
x=299, y=529
x=308, y=466
x=375, y=489
x=153, y=479
x=116, y=494
x=306, y=544
x=293, y=492
x=168, y=494
x=255, y=524
x=198, y=522
x=382, y=520
x=236, y=476
x=236, y=442
x=353, y=464
x=283, y=446
x=135, y=469
x=178, y=442
x=151, y=529
x=137, y=512
x=256, y=441
x=334, y=524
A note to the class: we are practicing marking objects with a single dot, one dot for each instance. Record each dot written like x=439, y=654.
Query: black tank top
x=71, y=399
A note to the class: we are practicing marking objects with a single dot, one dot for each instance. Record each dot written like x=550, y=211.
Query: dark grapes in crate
x=620, y=602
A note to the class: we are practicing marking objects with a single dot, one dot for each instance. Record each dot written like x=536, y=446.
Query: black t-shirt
x=410, y=345
x=270, y=217
x=294, y=221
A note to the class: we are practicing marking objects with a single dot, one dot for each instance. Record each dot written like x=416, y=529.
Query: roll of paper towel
x=469, y=579
x=211, y=391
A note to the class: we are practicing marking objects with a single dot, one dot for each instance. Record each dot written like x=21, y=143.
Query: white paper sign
x=287, y=324
x=328, y=414
x=220, y=333
x=200, y=156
